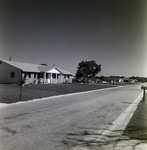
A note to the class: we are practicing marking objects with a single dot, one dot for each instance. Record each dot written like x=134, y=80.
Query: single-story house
x=14, y=72
x=120, y=80
x=130, y=80
x=114, y=79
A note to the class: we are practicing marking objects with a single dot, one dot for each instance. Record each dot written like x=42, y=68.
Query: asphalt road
x=61, y=123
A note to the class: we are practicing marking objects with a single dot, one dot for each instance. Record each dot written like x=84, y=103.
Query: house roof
x=64, y=71
x=45, y=68
x=48, y=68
x=111, y=78
x=27, y=67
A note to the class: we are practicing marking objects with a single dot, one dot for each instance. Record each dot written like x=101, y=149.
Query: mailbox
x=144, y=88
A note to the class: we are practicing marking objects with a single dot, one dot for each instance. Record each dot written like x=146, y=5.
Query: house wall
x=67, y=78
x=57, y=79
x=63, y=79
x=9, y=74
x=30, y=77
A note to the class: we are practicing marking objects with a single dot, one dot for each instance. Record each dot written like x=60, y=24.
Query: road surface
x=60, y=123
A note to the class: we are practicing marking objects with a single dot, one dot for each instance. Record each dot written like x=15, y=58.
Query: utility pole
x=10, y=58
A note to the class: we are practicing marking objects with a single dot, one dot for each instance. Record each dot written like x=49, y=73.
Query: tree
x=102, y=78
x=87, y=69
x=122, y=77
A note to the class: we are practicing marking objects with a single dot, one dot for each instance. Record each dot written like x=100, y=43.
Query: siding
x=5, y=73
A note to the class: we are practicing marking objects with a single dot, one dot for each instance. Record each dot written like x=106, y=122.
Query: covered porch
x=52, y=76
x=48, y=75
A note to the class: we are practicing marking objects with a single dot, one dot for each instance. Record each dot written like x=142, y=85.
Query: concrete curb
x=130, y=144
x=123, y=118
x=112, y=139
x=114, y=131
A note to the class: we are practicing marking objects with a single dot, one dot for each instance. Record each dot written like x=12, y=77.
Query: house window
x=54, y=76
x=34, y=75
x=0, y=62
x=38, y=75
x=12, y=74
x=66, y=76
x=29, y=75
x=46, y=75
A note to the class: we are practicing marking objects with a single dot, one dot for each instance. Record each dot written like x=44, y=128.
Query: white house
x=13, y=72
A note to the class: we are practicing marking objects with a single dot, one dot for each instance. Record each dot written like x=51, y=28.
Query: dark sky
x=65, y=32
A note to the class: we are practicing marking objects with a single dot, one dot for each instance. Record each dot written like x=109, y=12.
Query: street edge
x=56, y=96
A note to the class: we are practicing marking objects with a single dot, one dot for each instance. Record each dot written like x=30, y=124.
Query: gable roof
x=26, y=67
x=45, y=68
x=64, y=71
x=48, y=68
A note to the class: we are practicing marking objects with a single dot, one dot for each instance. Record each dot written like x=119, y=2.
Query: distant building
x=130, y=80
x=114, y=79
x=14, y=72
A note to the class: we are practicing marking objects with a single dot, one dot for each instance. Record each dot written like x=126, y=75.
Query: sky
x=65, y=32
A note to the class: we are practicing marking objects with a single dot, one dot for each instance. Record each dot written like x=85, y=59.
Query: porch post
x=56, y=78
x=61, y=78
x=51, y=77
x=44, y=77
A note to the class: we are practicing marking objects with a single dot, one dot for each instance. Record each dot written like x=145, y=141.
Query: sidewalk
x=136, y=130
x=127, y=132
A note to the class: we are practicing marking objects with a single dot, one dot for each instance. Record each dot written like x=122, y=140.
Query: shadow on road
x=95, y=139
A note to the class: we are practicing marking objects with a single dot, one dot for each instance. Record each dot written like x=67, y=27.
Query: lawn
x=10, y=93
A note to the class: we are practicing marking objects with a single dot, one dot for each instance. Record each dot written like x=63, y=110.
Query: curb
x=130, y=144
x=115, y=130
x=112, y=138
